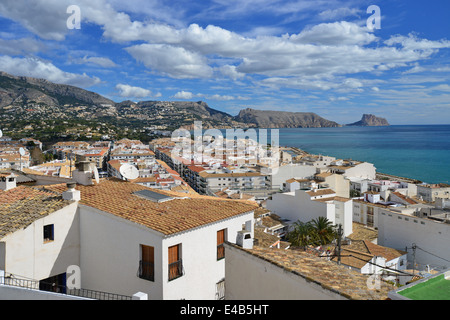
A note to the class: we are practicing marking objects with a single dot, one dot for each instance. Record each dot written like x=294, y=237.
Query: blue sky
x=316, y=56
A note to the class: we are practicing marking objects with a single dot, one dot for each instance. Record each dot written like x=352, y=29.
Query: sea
x=419, y=152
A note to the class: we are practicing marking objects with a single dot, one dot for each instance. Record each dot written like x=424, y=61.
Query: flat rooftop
x=432, y=288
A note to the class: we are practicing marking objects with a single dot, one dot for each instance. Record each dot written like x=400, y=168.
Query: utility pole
x=339, y=243
x=414, y=257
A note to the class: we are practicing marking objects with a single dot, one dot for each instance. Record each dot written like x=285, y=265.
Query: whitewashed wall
x=401, y=231
x=251, y=278
x=28, y=256
x=111, y=252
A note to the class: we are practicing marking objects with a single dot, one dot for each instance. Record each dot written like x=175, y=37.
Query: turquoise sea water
x=420, y=152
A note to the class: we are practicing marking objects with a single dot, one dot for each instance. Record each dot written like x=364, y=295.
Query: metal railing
x=175, y=270
x=146, y=270
x=220, y=252
x=61, y=289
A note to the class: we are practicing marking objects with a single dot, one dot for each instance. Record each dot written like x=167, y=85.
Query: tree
x=302, y=235
x=325, y=230
x=316, y=232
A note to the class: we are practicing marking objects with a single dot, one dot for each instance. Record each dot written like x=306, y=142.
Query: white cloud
x=336, y=34
x=339, y=13
x=99, y=61
x=183, y=95
x=187, y=95
x=411, y=42
x=37, y=68
x=46, y=18
x=316, y=57
x=127, y=91
x=175, y=62
x=20, y=46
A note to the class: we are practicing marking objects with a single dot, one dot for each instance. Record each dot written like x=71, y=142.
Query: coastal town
x=123, y=219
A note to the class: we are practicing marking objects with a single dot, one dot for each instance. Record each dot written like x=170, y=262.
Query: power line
x=432, y=254
x=383, y=267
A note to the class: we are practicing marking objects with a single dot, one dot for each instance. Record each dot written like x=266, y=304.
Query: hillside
x=25, y=90
x=370, y=120
x=283, y=119
x=49, y=111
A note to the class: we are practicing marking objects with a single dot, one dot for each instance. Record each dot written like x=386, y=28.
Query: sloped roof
x=184, y=212
x=21, y=206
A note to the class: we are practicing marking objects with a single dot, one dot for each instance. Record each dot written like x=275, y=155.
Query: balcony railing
x=220, y=251
x=61, y=289
x=146, y=270
x=175, y=270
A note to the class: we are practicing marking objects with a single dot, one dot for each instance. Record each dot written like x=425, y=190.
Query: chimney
x=83, y=174
x=71, y=194
x=244, y=239
x=8, y=181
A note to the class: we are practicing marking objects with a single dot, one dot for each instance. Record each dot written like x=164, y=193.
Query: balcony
x=37, y=285
x=176, y=270
x=146, y=270
x=220, y=252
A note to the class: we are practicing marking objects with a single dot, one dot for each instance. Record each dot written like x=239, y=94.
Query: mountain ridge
x=42, y=98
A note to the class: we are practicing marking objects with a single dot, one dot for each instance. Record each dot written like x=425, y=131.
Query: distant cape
x=369, y=120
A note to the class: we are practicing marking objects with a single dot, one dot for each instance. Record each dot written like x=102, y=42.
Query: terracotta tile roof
x=206, y=174
x=21, y=206
x=329, y=275
x=353, y=258
x=186, y=211
x=404, y=198
x=320, y=192
x=296, y=180
x=336, y=198
x=196, y=168
x=361, y=232
x=386, y=252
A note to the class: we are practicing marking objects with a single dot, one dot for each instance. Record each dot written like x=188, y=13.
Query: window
x=175, y=262
x=147, y=263
x=49, y=234
x=220, y=246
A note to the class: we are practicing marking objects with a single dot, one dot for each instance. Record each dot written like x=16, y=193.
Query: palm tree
x=302, y=235
x=324, y=229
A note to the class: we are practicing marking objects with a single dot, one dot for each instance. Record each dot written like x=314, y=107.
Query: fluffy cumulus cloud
x=176, y=62
x=97, y=61
x=127, y=91
x=37, y=68
x=315, y=57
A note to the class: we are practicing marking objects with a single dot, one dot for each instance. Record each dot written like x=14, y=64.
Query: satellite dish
x=22, y=152
x=1, y=133
x=95, y=172
x=129, y=172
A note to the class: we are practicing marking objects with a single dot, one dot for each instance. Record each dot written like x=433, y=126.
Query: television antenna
x=129, y=172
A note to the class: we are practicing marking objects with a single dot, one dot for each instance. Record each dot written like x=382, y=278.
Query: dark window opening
x=49, y=233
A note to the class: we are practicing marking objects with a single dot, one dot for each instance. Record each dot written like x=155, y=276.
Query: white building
x=425, y=236
x=352, y=168
x=429, y=192
x=278, y=274
x=125, y=238
x=306, y=205
x=276, y=176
